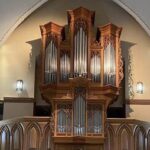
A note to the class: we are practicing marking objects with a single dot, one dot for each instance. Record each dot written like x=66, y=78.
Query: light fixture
x=139, y=87
x=19, y=86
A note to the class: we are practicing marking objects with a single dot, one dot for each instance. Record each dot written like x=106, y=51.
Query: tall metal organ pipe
x=51, y=63
x=79, y=116
x=80, y=51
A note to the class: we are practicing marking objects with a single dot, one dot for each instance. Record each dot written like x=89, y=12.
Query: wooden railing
x=28, y=133
x=127, y=134
x=34, y=133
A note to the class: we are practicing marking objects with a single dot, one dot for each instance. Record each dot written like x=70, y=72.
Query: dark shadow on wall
x=118, y=109
x=34, y=64
x=35, y=51
x=128, y=56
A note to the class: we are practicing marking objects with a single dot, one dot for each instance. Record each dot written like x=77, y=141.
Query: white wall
x=139, y=112
x=13, y=110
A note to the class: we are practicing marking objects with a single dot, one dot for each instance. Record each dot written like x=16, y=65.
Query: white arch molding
x=139, y=19
x=20, y=19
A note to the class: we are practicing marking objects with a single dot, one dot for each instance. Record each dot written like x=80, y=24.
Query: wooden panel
x=78, y=147
x=94, y=147
x=62, y=147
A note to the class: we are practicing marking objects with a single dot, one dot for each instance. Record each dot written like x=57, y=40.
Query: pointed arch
x=124, y=135
x=139, y=138
x=4, y=138
x=110, y=133
x=47, y=140
x=33, y=135
x=17, y=132
x=148, y=140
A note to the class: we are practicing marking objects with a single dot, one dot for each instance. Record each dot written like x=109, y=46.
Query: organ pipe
x=109, y=65
x=95, y=68
x=94, y=119
x=61, y=125
x=97, y=121
x=80, y=52
x=51, y=63
x=79, y=116
x=64, y=67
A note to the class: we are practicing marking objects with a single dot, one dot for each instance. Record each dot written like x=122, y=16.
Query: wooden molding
x=138, y=101
x=18, y=100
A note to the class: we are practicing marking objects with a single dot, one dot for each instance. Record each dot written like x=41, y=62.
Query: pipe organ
x=80, y=77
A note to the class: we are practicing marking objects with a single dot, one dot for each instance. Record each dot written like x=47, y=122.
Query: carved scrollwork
x=120, y=68
x=52, y=37
x=80, y=23
x=130, y=76
x=95, y=45
x=109, y=39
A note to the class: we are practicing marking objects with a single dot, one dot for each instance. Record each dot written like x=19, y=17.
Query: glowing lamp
x=139, y=87
x=19, y=85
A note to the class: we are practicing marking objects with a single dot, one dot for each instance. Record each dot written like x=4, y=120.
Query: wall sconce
x=139, y=87
x=19, y=86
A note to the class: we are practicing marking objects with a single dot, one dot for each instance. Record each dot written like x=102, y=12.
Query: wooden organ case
x=80, y=77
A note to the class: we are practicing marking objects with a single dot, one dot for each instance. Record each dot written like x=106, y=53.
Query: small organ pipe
x=51, y=63
x=95, y=68
x=64, y=67
x=86, y=49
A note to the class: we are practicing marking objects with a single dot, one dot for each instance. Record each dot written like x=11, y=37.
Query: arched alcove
x=139, y=138
x=110, y=134
x=17, y=132
x=124, y=135
x=4, y=138
x=33, y=135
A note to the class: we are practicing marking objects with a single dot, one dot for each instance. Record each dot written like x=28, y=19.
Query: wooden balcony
x=34, y=133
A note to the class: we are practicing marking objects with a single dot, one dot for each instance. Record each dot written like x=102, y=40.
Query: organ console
x=80, y=77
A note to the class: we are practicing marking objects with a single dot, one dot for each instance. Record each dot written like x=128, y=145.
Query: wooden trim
x=138, y=101
x=126, y=120
x=18, y=100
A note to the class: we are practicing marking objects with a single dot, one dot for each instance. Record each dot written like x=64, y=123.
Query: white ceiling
x=13, y=12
